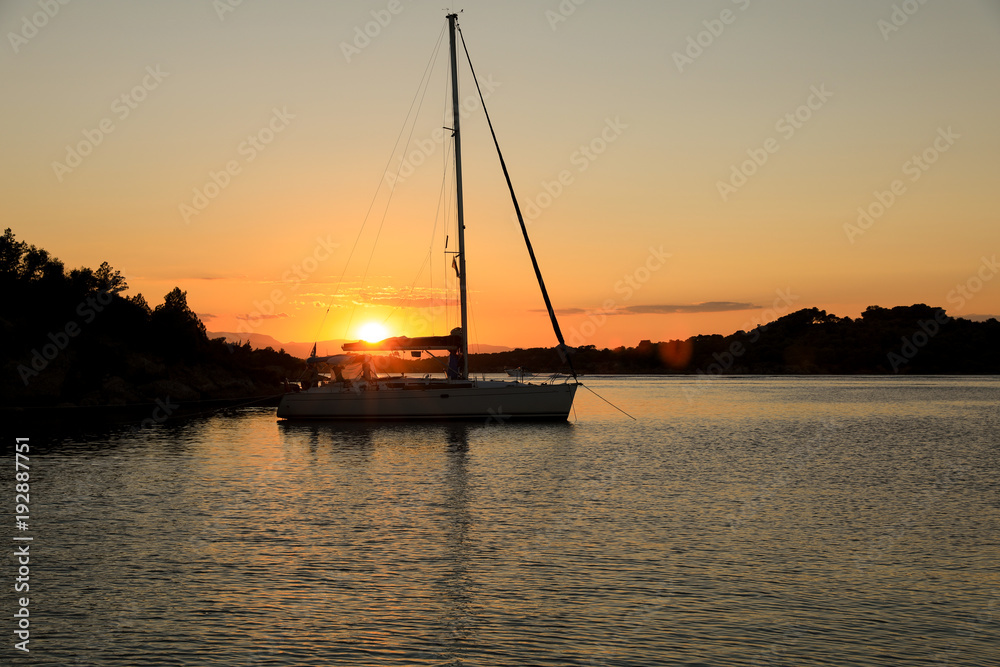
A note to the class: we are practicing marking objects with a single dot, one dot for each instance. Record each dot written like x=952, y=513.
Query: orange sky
x=685, y=167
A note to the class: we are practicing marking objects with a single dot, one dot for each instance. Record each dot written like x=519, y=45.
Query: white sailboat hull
x=486, y=399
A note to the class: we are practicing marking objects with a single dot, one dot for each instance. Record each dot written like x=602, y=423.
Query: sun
x=373, y=332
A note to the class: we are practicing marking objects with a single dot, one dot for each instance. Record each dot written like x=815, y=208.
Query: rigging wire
x=385, y=214
x=424, y=83
x=608, y=402
x=439, y=212
x=563, y=350
x=433, y=58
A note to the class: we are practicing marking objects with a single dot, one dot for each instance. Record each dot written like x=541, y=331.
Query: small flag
x=454, y=265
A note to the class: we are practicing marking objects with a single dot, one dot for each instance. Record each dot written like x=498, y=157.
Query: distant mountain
x=302, y=350
x=488, y=349
x=260, y=341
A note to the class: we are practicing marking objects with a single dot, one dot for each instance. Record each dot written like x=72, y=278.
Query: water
x=760, y=521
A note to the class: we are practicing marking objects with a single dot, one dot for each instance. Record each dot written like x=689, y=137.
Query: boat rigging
x=365, y=395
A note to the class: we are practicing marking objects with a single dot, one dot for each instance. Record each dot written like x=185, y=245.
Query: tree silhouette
x=109, y=280
x=90, y=344
x=176, y=327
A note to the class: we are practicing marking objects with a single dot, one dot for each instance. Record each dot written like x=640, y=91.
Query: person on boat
x=367, y=375
x=312, y=377
x=454, y=363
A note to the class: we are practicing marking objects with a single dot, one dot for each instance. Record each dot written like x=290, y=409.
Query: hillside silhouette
x=917, y=339
x=73, y=338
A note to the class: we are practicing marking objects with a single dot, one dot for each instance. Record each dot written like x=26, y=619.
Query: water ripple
x=768, y=521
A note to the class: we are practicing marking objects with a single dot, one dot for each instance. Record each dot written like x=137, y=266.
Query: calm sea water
x=763, y=521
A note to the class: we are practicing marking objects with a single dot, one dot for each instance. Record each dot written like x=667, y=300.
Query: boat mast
x=452, y=20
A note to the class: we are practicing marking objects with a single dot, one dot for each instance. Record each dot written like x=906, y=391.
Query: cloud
x=402, y=302
x=180, y=277
x=206, y=316
x=706, y=307
x=385, y=296
x=257, y=316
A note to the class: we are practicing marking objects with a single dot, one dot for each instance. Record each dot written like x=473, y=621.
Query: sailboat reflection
x=456, y=622
x=345, y=435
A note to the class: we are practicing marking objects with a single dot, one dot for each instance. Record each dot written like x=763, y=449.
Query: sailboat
x=351, y=387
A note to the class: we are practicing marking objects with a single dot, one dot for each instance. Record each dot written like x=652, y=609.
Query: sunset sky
x=686, y=167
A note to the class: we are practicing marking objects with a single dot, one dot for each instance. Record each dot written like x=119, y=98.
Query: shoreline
x=138, y=414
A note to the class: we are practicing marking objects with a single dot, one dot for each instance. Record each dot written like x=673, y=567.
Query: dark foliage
x=74, y=338
x=916, y=339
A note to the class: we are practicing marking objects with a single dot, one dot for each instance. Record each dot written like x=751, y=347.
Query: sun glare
x=373, y=332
